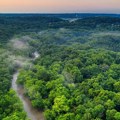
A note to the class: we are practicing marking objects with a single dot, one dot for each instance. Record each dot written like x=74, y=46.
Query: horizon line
x=57, y=13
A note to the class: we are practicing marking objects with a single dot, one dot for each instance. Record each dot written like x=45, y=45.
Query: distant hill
x=64, y=15
x=11, y=24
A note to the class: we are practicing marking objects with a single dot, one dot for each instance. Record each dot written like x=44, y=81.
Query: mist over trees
x=76, y=76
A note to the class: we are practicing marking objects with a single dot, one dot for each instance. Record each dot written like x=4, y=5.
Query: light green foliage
x=10, y=105
x=74, y=84
x=77, y=74
x=117, y=116
x=60, y=104
x=117, y=86
x=110, y=114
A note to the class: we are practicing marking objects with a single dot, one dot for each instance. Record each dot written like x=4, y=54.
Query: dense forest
x=76, y=76
x=10, y=105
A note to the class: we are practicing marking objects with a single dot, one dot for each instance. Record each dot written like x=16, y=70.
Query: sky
x=59, y=6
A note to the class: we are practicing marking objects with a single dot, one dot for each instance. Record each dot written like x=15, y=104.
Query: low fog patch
x=21, y=43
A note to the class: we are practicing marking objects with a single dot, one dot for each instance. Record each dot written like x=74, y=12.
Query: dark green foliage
x=104, y=23
x=10, y=106
x=70, y=82
x=10, y=25
x=76, y=77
